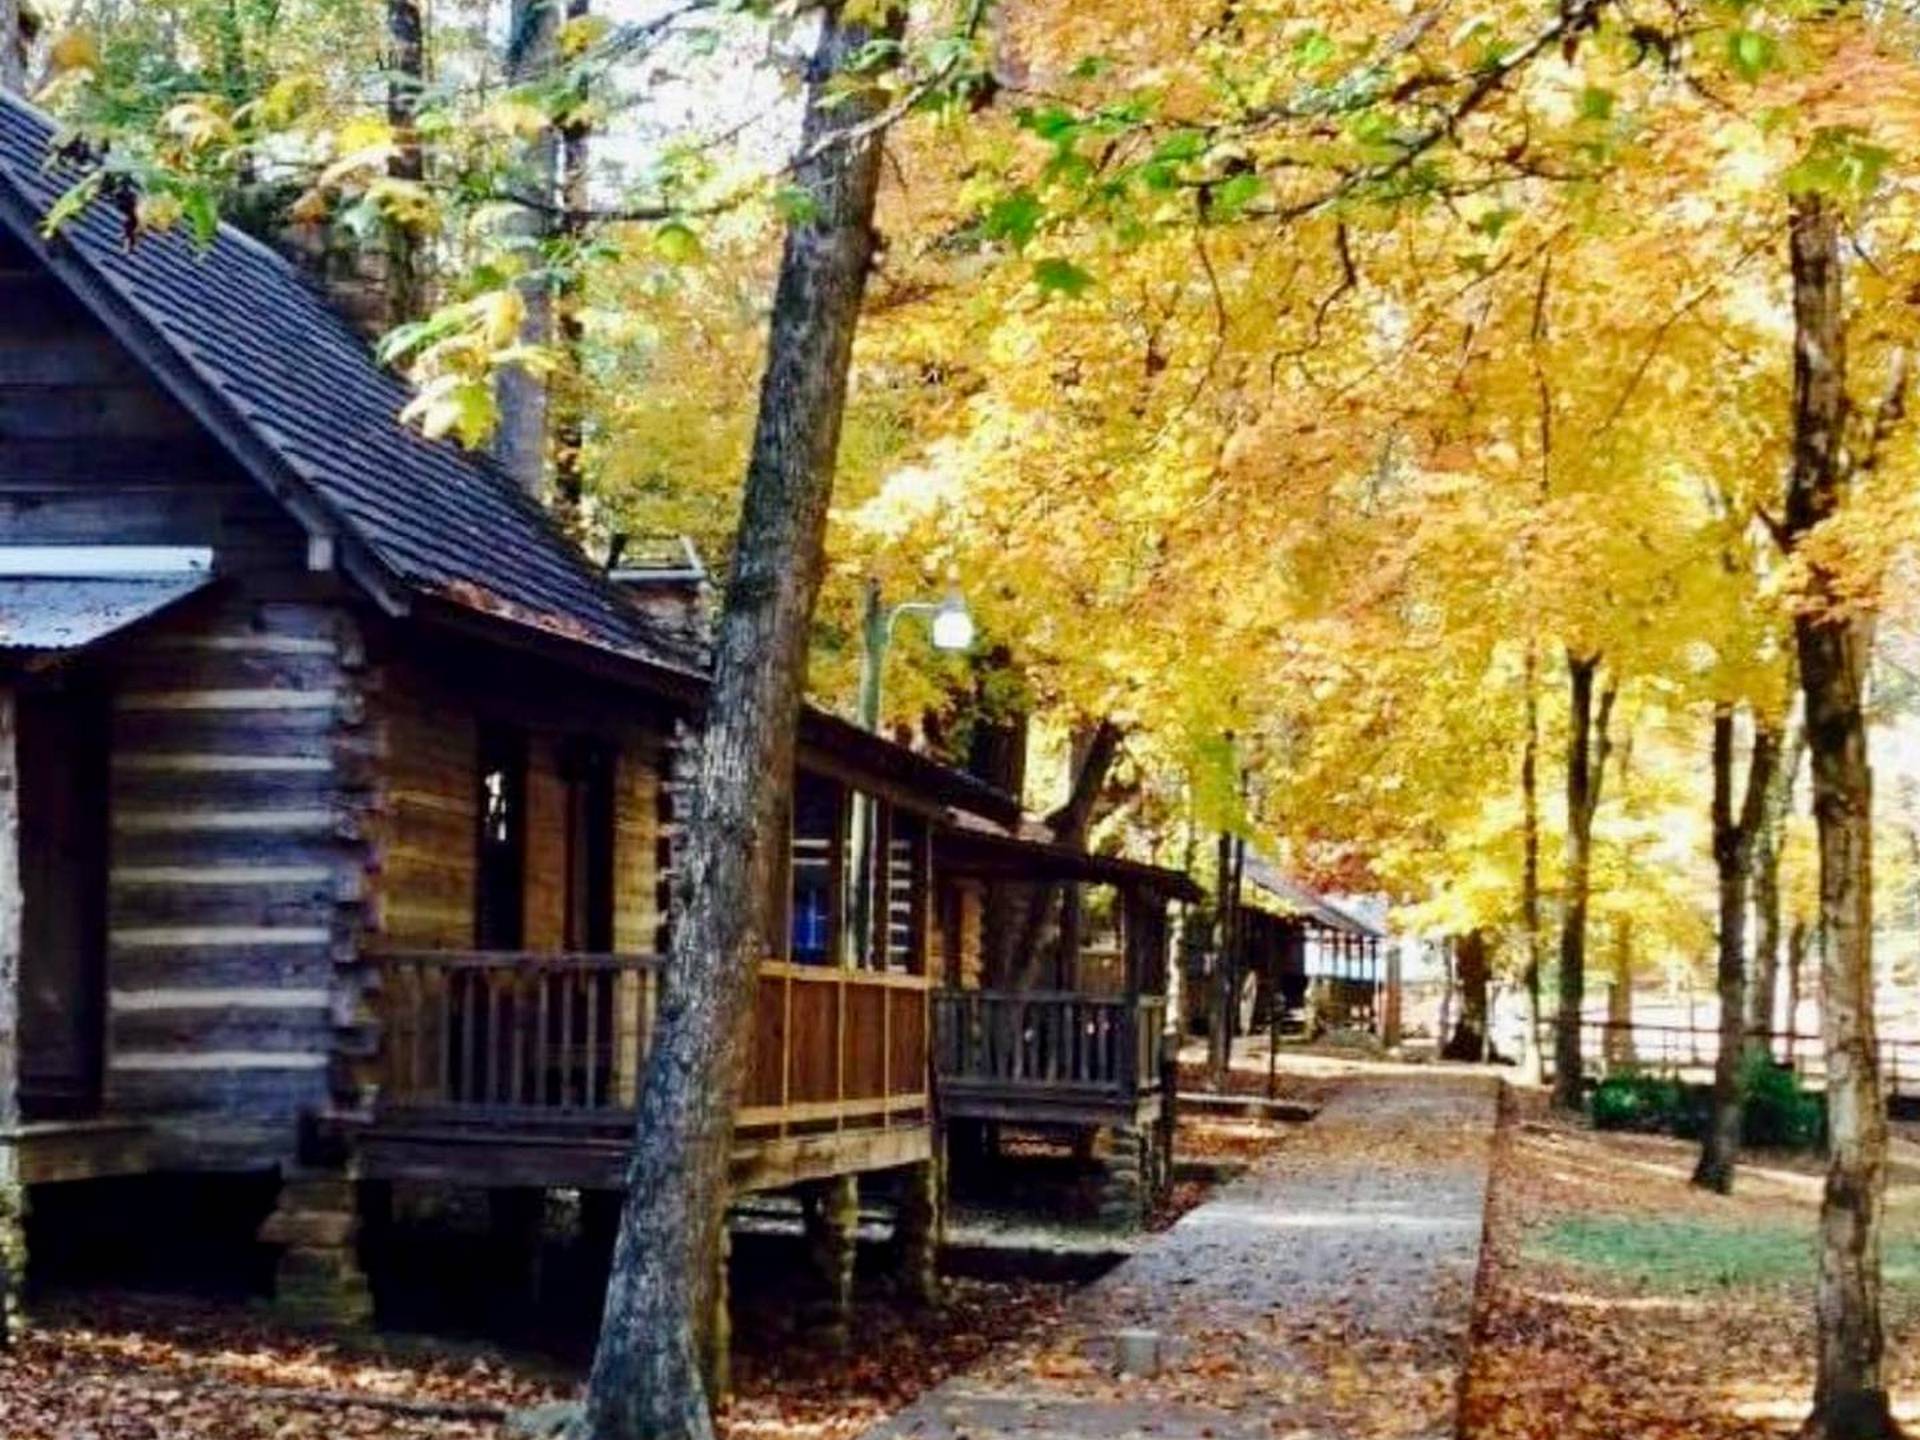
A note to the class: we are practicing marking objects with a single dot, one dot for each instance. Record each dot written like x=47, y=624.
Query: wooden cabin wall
x=427, y=847
x=237, y=772
x=92, y=452
x=959, y=958
x=240, y=782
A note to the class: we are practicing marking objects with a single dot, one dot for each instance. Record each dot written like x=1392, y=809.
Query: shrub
x=1779, y=1112
x=1631, y=1099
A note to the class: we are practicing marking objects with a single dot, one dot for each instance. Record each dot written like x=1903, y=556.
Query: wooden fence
x=1608, y=1045
x=1058, y=1041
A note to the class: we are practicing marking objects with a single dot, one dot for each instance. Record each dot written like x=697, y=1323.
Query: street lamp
x=951, y=630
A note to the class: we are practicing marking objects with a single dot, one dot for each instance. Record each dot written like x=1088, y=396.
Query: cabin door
x=63, y=871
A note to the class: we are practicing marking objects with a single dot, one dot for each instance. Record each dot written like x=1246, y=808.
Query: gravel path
x=1327, y=1293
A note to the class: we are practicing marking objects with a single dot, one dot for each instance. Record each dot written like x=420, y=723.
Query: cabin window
x=589, y=767
x=500, y=869
x=818, y=844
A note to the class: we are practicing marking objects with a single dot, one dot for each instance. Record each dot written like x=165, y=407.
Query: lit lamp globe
x=952, y=625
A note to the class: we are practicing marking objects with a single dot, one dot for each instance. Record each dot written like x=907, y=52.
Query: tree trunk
x=1832, y=641
x=1733, y=863
x=1763, y=1010
x=1030, y=909
x=1797, y=937
x=1530, y=867
x=1473, y=970
x=1587, y=749
x=12, y=905
x=406, y=78
x=569, y=392
x=1619, y=1047
x=646, y=1382
x=1220, y=997
x=520, y=438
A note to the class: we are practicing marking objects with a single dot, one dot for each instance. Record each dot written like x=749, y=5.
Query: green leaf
x=202, y=212
x=1182, y=145
x=1313, y=50
x=792, y=203
x=1233, y=195
x=1751, y=53
x=1014, y=218
x=1596, y=103
x=71, y=205
x=1842, y=163
x=1052, y=123
x=1055, y=276
x=676, y=243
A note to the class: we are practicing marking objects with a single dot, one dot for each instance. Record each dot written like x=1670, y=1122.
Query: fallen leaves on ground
x=1617, y=1302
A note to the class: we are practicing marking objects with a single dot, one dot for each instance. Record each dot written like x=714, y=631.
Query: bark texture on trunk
x=646, y=1382
x=13, y=48
x=12, y=905
x=1850, y=1396
x=1733, y=838
x=1530, y=865
x=520, y=439
x=568, y=397
x=1473, y=972
x=1764, y=1003
x=406, y=78
x=1587, y=749
x=1028, y=912
x=1619, y=1046
x=1225, y=980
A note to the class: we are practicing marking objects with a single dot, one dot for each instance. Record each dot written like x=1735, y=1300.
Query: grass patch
x=1701, y=1255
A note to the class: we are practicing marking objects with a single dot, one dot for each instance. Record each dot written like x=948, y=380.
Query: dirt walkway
x=1327, y=1293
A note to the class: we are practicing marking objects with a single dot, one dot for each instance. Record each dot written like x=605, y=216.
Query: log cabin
x=337, y=792
x=1316, y=965
x=1086, y=1056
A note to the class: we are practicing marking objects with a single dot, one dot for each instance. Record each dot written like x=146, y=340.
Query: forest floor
x=1619, y=1302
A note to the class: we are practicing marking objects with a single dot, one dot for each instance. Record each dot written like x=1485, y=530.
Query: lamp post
x=952, y=630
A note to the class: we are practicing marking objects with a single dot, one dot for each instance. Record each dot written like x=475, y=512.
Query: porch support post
x=1124, y=1192
x=919, y=1224
x=719, y=1337
x=13, y=1195
x=832, y=1210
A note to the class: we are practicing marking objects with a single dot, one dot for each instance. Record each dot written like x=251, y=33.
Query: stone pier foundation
x=319, y=1279
x=832, y=1212
x=919, y=1225
x=1125, y=1187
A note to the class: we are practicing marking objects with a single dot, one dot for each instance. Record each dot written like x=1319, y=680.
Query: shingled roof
x=240, y=338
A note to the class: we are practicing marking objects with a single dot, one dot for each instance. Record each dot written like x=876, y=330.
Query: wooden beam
x=13, y=1245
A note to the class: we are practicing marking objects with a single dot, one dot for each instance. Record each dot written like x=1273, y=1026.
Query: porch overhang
x=44, y=618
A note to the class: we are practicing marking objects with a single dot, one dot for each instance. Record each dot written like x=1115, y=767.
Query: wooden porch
x=510, y=1069
x=1049, y=1057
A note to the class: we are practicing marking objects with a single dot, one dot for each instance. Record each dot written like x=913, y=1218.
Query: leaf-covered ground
x=1618, y=1303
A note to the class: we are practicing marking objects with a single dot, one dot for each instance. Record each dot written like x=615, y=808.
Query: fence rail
x=552, y=1040
x=1608, y=1045
x=1049, y=1040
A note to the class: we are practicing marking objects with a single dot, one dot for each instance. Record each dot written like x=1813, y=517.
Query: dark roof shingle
x=287, y=385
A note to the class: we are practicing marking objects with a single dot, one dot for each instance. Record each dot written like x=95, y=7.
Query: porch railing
x=1059, y=1041
x=544, y=1040
x=514, y=1036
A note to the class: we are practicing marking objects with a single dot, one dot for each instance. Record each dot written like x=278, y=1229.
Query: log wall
x=238, y=772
